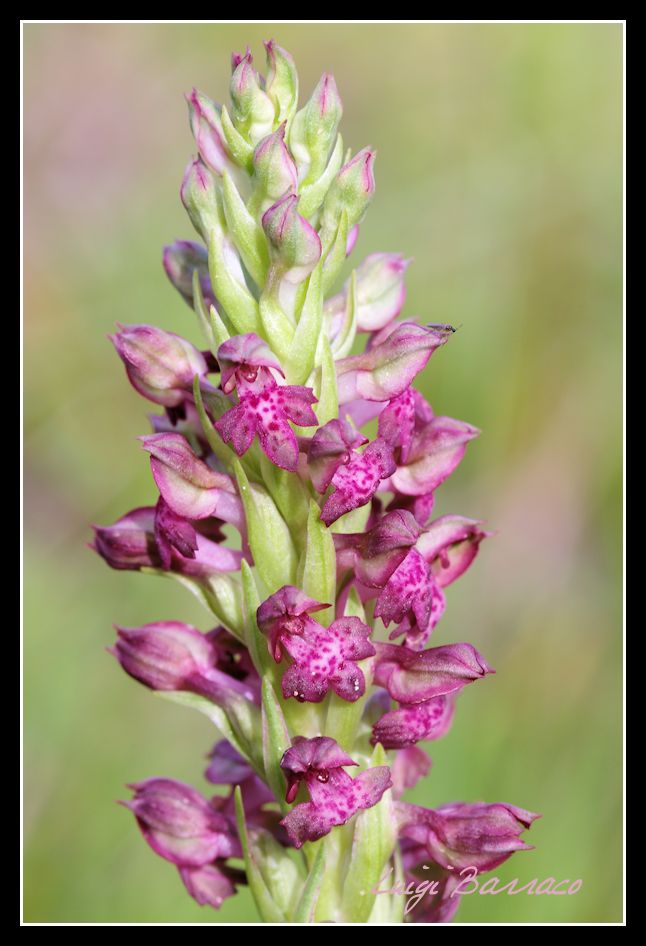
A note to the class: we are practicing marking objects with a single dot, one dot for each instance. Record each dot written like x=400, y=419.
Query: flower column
x=263, y=435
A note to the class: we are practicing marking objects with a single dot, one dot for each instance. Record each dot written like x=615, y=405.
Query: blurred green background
x=499, y=171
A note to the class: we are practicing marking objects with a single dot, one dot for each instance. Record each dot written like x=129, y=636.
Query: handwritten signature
x=469, y=883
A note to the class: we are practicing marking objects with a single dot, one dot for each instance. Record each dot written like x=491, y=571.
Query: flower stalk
x=318, y=675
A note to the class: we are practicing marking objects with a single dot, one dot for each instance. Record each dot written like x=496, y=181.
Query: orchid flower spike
x=294, y=469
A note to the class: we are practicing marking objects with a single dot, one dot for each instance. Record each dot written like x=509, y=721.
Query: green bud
x=199, y=196
x=314, y=129
x=282, y=81
x=274, y=172
x=207, y=130
x=253, y=111
x=312, y=195
x=295, y=245
x=351, y=190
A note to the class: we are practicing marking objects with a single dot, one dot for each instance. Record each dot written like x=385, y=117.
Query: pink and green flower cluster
x=296, y=471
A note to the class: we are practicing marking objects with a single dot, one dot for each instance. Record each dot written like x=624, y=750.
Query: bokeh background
x=499, y=171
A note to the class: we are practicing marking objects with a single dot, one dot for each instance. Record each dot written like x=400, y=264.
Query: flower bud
x=169, y=655
x=199, y=196
x=274, y=170
x=295, y=244
x=211, y=883
x=207, y=131
x=190, y=487
x=179, y=824
x=386, y=370
x=466, y=835
x=282, y=80
x=253, y=111
x=314, y=129
x=180, y=260
x=128, y=544
x=351, y=190
x=414, y=677
x=164, y=656
x=160, y=365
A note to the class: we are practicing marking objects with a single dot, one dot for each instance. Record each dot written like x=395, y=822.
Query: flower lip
x=267, y=413
x=322, y=657
x=335, y=796
x=357, y=481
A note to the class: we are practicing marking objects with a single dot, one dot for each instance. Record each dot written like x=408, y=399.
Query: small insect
x=442, y=325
